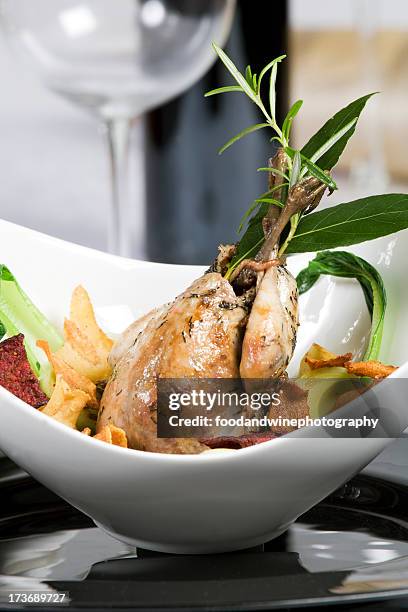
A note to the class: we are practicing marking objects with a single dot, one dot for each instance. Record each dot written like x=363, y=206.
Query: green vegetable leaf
x=351, y=223
x=333, y=126
x=240, y=79
x=19, y=315
x=2, y=330
x=287, y=123
x=347, y=265
x=248, y=130
x=221, y=90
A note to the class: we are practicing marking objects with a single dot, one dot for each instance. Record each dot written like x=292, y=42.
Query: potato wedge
x=86, y=347
x=94, y=371
x=65, y=403
x=112, y=435
x=82, y=314
x=72, y=377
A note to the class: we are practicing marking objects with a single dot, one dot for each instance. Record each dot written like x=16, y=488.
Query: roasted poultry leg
x=241, y=327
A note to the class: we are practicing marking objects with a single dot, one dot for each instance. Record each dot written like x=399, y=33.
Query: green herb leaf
x=248, y=75
x=248, y=130
x=315, y=171
x=297, y=165
x=331, y=128
x=221, y=90
x=240, y=79
x=274, y=171
x=270, y=201
x=347, y=265
x=255, y=204
x=310, y=167
x=253, y=238
x=2, y=330
x=272, y=91
x=267, y=67
x=346, y=116
x=287, y=123
x=351, y=223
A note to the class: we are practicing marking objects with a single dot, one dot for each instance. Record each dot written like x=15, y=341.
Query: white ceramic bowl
x=189, y=504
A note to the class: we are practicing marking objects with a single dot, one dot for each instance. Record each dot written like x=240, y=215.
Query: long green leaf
x=267, y=67
x=253, y=238
x=274, y=171
x=255, y=204
x=315, y=171
x=347, y=265
x=240, y=79
x=248, y=130
x=310, y=167
x=221, y=90
x=351, y=223
x=272, y=91
x=270, y=201
x=287, y=123
x=332, y=127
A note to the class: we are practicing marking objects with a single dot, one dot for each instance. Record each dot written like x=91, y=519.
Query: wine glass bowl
x=117, y=60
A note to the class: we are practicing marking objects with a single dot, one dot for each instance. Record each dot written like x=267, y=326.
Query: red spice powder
x=16, y=374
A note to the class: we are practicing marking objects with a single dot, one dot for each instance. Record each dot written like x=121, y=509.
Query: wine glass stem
x=118, y=134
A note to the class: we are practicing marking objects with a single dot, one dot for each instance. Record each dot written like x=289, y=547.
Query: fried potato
x=86, y=431
x=86, y=347
x=332, y=362
x=112, y=435
x=94, y=371
x=82, y=314
x=65, y=404
x=316, y=356
x=371, y=369
x=71, y=376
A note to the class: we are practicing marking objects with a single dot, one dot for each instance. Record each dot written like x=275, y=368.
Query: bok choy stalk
x=18, y=315
x=347, y=265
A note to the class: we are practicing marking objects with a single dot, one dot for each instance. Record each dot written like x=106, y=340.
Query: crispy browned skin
x=371, y=369
x=198, y=335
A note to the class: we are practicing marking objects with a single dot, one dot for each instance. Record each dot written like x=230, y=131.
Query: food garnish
x=19, y=315
x=16, y=374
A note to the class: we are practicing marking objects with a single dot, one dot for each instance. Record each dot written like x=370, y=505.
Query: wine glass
x=117, y=59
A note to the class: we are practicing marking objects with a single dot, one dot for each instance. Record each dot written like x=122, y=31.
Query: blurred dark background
x=195, y=197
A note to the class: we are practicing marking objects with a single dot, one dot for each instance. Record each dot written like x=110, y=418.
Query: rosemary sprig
x=316, y=158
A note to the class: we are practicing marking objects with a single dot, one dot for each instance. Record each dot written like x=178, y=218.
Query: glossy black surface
x=350, y=550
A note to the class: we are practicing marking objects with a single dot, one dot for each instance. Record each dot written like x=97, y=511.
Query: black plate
x=350, y=549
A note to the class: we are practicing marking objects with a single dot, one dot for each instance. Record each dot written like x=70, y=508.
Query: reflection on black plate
x=353, y=547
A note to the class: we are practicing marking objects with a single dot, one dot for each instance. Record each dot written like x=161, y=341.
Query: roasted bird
x=243, y=326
